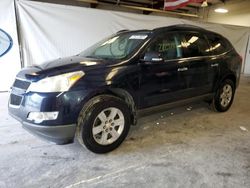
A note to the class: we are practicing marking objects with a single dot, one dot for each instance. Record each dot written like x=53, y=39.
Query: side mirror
x=152, y=57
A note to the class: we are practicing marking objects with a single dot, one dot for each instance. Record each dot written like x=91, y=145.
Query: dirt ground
x=189, y=146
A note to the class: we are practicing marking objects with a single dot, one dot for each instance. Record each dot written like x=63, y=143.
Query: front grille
x=15, y=99
x=21, y=84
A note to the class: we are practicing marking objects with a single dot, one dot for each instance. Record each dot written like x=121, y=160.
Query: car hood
x=75, y=61
x=64, y=65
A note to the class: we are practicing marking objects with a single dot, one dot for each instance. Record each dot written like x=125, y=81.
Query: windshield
x=116, y=47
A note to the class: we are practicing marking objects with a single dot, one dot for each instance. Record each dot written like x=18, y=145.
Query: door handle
x=215, y=65
x=182, y=69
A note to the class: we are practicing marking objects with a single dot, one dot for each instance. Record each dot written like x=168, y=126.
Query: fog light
x=39, y=117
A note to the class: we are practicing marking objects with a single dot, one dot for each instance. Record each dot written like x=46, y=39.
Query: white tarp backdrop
x=10, y=61
x=50, y=31
x=247, y=64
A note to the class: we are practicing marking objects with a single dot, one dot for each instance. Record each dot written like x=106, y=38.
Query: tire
x=103, y=123
x=224, y=96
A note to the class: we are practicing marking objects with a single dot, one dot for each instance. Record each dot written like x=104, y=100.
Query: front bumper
x=61, y=134
x=60, y=130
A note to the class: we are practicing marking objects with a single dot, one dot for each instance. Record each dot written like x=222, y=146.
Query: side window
x=218, y=44
x=168, y=46
x=194, y=44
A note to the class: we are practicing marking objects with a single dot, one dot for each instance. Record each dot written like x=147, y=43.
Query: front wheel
x=224, y=96
x=103, y=124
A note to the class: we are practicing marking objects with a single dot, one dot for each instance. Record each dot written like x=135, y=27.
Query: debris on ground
x=243, y=128
x=200, y=126
x=145, y=128
x=157, y=123
x=132, y=138
x=171, y=113
x=189, y=108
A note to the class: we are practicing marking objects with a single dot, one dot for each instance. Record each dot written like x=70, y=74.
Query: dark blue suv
x=97, y=94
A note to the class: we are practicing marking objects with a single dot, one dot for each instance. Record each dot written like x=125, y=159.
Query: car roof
x=178, y=27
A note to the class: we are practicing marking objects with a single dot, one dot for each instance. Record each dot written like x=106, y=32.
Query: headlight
x=57, y=83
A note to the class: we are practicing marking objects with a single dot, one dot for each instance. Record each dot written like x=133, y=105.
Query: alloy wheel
x=108, y=126
x=226, y=95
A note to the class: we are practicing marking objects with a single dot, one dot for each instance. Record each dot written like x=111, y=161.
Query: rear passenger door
x=218, y=48
x=195, y=50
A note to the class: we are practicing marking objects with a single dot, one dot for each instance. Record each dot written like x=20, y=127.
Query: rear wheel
x=224, y=96
x=103, y=124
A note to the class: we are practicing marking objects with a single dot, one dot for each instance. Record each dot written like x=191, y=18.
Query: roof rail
x=121, y=31
x=179, y=26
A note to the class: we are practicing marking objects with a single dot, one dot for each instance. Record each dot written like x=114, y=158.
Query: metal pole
x=18, y=34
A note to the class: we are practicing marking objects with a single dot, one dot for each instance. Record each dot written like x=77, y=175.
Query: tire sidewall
x=88, y=122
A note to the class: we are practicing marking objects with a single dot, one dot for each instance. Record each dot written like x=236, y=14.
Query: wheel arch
x=230, y=76
x=123, y=94
x=129, y=100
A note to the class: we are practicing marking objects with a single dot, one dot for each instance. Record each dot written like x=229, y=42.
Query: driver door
x=163, y=80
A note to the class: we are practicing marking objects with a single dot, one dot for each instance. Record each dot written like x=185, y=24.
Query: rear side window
x=194, y=45
x=218, y=44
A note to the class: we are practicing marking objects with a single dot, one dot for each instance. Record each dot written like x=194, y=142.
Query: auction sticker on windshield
x=141, y=37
